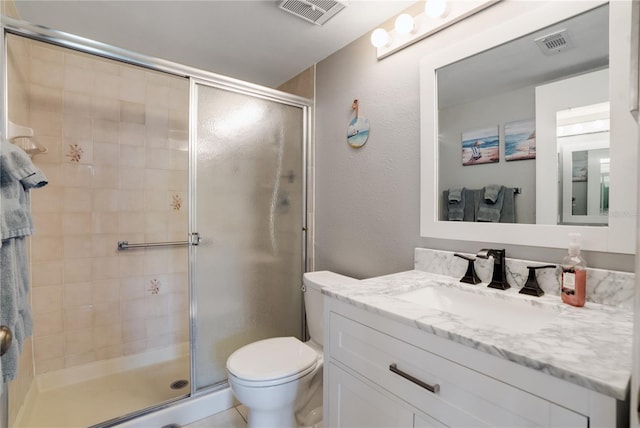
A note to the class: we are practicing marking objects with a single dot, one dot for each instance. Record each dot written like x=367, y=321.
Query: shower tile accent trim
x=75, y=153
x=155, y=286
x=176, y=203
x=606, y=287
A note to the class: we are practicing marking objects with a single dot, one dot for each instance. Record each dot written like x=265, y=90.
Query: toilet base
x=276, y=418
x=271, y=406
x=312, y=419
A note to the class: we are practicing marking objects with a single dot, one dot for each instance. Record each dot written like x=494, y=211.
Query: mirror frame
x=619, y=235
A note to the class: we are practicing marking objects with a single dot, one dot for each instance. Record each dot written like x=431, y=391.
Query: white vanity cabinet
x=470, y=387
x=356, y=402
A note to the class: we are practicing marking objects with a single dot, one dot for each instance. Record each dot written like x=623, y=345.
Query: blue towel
x=456, y=208
x=455, y=194
x=490, y=212
x=15, y=312
x=508, y=212
x=491, y=193
x=17, y=176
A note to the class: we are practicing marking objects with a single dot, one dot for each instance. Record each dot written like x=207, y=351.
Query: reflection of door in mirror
x=568, y=112
x=583, y=150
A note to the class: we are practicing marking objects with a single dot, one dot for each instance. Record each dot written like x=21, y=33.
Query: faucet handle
x=499, y=277
x=531, y=287
x=470, y=277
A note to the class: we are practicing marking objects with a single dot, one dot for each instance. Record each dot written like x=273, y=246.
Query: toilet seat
x=271, y=361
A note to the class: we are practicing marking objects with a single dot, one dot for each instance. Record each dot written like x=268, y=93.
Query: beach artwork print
x=358, y=131
x=480, y=146
x=520, y=140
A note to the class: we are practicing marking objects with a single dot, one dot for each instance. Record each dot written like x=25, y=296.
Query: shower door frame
x=268, y=95
x=66, y=40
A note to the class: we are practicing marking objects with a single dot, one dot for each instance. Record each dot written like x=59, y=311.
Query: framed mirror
x=492, y=114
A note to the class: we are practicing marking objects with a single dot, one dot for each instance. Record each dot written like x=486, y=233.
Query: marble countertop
x=589, y=346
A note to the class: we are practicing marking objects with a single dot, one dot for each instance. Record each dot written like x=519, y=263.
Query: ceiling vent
x=315, y=11
x=554, y=43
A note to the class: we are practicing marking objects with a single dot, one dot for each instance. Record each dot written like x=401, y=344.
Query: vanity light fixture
x=437, y=15
x=404, y=24
x=435, y=8
x=380, y=38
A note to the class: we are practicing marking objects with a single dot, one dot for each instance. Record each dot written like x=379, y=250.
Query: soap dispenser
x=574, y=274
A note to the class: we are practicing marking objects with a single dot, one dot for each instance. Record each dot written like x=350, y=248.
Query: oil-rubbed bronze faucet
x=470, y=277
x=499, y=277
x=531, y=287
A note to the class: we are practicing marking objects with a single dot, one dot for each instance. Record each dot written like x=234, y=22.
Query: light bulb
x=404, y=24
x=435, y=8
x=379, y=38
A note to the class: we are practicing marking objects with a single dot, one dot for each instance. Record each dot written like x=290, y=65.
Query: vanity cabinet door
x=423, y=421
x=445, y=390
x=563, y=418
x=355, y=403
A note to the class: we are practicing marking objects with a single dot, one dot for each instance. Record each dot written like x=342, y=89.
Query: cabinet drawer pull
x=431, y=388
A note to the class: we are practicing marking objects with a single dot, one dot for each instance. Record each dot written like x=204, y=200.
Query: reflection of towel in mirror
x=491, y=193
x=455, y=194
x=508, y=212
x=490, y=212
x=456, y=204
x=17, y=176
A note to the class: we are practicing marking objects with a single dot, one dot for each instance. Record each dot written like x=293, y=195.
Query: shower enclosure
x=150, y=152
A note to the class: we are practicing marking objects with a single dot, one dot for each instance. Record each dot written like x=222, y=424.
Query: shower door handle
x=195, y=239
x=5, y=339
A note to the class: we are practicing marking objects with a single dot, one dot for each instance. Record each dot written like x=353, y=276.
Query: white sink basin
x=513, y=313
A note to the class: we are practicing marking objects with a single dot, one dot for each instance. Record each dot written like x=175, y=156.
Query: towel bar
x=124, y=245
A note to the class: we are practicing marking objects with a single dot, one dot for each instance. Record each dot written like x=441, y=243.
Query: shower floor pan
x=94, y=401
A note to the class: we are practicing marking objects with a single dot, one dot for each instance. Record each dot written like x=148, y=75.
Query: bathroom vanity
x=418, y=349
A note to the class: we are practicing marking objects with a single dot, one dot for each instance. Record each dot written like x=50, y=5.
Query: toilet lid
x=271, y=359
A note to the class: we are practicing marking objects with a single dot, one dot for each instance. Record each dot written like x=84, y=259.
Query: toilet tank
x=313, y=299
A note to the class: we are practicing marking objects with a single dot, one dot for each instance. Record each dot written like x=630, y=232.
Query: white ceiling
x=520, y=62
x=250, y=40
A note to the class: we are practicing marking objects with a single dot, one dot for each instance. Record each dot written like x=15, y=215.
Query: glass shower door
x=248, y=208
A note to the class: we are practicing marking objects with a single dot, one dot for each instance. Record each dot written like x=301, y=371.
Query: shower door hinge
x=194, y=238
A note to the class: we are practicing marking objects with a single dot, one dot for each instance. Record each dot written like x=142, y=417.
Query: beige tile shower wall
x=8, y=8
x=18, y=66
x=117, y=166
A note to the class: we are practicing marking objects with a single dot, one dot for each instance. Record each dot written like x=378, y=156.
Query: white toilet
x=280, y=379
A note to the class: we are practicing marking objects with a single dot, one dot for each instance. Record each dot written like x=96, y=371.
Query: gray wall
x=367, y=199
